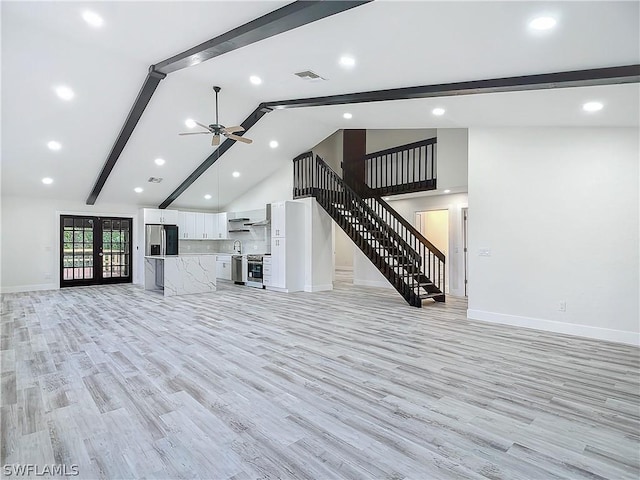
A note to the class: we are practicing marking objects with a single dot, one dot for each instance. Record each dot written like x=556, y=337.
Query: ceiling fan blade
x=233, y=129
x=195, y=133
x=239, y=138
x=203, y=125
x=215, y=141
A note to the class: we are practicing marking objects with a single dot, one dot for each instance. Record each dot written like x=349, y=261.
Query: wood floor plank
x=344, y=384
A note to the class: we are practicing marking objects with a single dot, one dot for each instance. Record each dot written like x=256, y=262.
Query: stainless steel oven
x=254, y=271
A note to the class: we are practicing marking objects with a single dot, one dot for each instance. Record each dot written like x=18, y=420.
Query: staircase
x=412, y=264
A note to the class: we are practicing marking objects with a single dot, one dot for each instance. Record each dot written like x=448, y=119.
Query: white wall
x=558, y=210
x=330, y=150
x=31, y=239
x=343, y=249
x=382, y=139
x=318, y=253
x=452, y=158
x=365, y=272
x=276, y=188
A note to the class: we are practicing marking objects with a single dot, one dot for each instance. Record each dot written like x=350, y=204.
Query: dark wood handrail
x=400, y=148
x=413, y=230
x=322, y=164
x=303, y=155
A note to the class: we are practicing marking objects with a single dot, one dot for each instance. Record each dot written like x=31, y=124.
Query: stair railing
x=418, y=263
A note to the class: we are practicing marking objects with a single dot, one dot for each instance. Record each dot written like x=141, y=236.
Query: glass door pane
x=94, y=250
x=116, y=248
x=77, y=250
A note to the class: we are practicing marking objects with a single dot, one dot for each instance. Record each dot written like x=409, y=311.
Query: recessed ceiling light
x=207, y=197
x=65, y=93
x=190, y=123
x=236, y=174
x=347, y=61
x=256, y=80
x=92, y=18
x=159, y=161
x=447, y=191
x=47, y=180
x=347, y=115
x=273, y=144
x=592, y=106
x=138, y=190
x=438, y=111
x=53, y=145
x=542, y=23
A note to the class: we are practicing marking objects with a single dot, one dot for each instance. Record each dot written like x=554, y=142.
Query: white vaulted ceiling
x=395, y=44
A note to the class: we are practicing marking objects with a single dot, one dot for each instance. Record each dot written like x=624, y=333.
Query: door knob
x=101, y=254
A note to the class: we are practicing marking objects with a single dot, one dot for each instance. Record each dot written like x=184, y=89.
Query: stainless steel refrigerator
x=161, y=240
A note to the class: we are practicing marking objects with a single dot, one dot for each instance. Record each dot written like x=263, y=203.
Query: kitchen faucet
x=239, y=246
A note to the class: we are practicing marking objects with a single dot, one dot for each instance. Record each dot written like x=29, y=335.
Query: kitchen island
x=180, y=275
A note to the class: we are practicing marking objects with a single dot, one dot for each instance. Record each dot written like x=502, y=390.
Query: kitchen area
x=190, y=252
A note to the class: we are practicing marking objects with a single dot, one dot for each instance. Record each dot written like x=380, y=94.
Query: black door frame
x=98, y=278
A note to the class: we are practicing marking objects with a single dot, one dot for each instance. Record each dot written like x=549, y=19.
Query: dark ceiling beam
x=287, y=18
x=282, y=20
x=576, y=78
x=142, y=100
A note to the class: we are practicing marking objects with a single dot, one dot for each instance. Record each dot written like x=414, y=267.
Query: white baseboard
x=318, y=288
x=372, y=283
x=618, y=336
x=29, y=288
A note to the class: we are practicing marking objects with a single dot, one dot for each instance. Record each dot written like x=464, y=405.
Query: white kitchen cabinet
x=210, y=226
x=267, y=270
x=187, y=226
x=157, y=216
x=278, y=219
x=223, y=230
x=199, y=225
x=223, y=267
x=279, y=263
x=287, y=253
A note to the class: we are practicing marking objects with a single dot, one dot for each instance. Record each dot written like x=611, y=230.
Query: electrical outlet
x=484, y=252
x=562, y=306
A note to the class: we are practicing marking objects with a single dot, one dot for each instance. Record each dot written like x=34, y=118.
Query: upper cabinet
x=187, y=228
x=157, y=216
x=283, y=216
x=278, y=219
x=223, y=231
x=202, y=226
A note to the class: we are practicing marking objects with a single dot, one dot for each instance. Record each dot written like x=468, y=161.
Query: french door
x=95, y=250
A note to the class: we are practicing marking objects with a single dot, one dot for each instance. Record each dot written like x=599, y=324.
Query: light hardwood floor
x=351, y=384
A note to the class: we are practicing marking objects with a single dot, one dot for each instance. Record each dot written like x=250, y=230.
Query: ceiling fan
x=216, y=129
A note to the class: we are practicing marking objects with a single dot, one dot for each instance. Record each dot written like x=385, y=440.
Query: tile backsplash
x=205, y=246
x=256, y=240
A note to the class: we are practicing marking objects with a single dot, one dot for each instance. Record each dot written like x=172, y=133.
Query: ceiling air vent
x=309, y=76
x=154, y=180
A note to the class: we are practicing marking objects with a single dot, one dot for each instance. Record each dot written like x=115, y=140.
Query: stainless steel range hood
x=267, y=220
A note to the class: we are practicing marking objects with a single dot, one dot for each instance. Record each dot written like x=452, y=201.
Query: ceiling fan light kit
x=218, y=129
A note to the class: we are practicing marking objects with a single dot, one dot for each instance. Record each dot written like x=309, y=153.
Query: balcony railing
x=404, y=169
